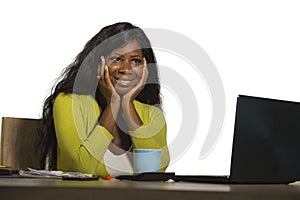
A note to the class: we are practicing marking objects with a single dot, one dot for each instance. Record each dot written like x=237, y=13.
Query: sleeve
x=152, y=134
x=81, y=142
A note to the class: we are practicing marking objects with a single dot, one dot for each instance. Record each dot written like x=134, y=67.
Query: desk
x=55, y=189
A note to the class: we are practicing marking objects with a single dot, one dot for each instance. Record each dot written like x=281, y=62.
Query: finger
x=145, y=72
x=145, y=69
x=102, y=65
x=103, y=76
x=99, y=71
x=107, y=77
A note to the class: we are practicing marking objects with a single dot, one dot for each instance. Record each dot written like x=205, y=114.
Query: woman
x=106, y=103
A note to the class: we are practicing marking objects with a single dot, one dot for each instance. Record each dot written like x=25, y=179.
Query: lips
x=123, y=81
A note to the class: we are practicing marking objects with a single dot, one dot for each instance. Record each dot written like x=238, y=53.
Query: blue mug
x=146, y=160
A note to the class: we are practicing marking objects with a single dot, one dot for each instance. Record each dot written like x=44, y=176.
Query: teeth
x=123, y=81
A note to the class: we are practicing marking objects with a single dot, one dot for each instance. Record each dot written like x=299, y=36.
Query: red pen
x=106, y=177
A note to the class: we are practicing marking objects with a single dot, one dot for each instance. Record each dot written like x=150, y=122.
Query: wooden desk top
x=25, y=188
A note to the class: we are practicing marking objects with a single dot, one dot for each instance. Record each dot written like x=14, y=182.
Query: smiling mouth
x=122, y=82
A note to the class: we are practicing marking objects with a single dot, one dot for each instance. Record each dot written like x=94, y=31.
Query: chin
x=122, y=91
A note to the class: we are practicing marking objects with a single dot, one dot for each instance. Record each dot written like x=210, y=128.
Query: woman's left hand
x=129, y=114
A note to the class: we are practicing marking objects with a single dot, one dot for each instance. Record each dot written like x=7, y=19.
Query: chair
x=19, y=143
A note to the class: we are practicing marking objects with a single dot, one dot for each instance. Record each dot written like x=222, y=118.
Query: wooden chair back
x=19, y=143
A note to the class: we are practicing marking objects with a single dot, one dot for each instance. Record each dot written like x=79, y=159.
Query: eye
x=136, y=61
x=115, y=59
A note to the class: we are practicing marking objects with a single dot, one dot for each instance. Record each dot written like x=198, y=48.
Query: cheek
x=113, y=69
x=138, y=71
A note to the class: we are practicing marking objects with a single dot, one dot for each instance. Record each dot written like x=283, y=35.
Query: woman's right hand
x=110, y=113
x=106, y=87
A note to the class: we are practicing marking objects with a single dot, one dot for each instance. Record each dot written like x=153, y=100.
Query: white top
x=118, y=164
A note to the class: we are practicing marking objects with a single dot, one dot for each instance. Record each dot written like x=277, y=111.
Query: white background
x=255, y=46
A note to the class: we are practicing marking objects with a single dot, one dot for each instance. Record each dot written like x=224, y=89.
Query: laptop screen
x=266, y=144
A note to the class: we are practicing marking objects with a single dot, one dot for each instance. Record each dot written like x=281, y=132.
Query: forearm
x=109, y=116
x=108, y=120
x=130, y=115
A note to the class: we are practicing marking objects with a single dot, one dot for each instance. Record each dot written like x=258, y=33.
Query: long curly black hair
x=80, y=77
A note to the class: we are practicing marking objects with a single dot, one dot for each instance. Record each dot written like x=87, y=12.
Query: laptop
x=266, y=144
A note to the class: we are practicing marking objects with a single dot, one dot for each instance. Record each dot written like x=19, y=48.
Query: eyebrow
x=137, y=55
x=119, y=54
x=115, y=54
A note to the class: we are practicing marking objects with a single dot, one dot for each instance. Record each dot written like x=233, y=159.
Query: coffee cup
x=146, y=160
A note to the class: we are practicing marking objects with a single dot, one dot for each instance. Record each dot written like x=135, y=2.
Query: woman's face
x=125, y=66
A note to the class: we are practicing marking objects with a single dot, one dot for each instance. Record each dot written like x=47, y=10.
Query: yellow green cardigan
x=82, y=142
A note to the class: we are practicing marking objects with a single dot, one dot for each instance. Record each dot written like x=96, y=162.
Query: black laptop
x=266, y=143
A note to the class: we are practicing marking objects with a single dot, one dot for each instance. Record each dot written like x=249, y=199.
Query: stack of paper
x=33, y=173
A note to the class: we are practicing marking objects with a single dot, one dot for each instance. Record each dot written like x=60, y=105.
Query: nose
x=125, y=67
